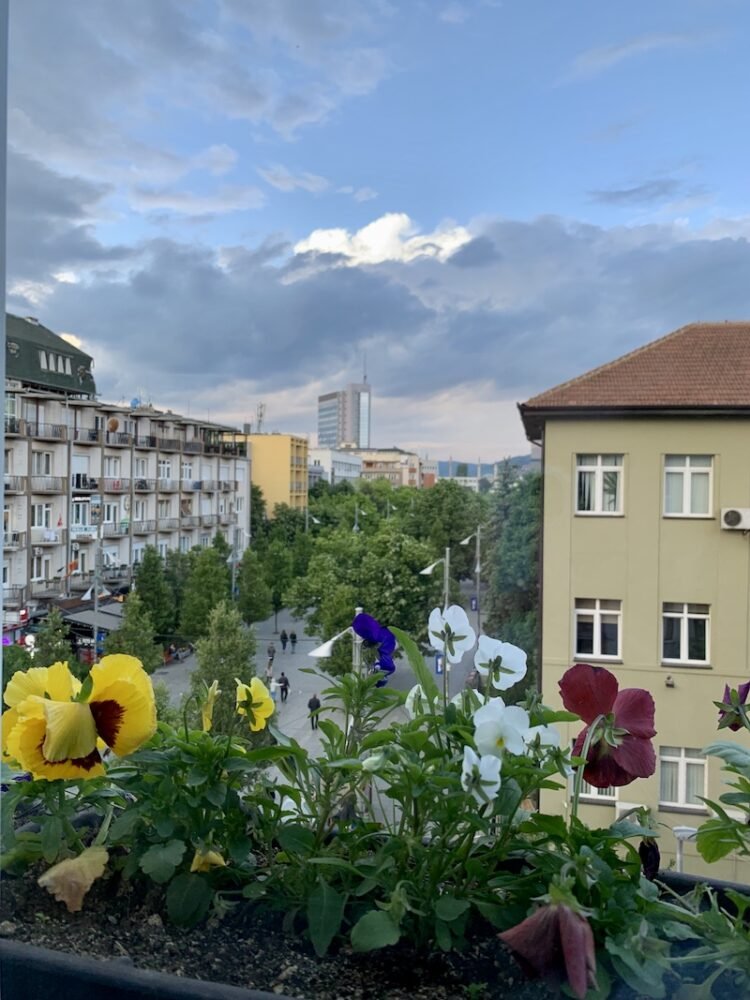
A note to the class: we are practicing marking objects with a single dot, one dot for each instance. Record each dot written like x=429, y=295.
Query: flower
x=729, y=715
x=416, y=702
x=205, y=860
x=451, y=633
x=370, y=629
x=254, y=701
x=556, y=940
x=621, y=750
x=542, y=736
x=55, y=726
x=505, y=662
x=499, y=727
x=207, y=708
x=648, y=852
x=480, y=776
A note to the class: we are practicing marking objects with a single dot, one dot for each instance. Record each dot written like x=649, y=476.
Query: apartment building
x=644, y=571
x=82, y=475
x=399, y=467
x=336, y=466
x=280, y=464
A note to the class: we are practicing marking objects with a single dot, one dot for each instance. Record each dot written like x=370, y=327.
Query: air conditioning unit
x=735, y=518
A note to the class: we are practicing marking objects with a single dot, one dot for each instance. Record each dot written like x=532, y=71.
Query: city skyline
x=484, y=199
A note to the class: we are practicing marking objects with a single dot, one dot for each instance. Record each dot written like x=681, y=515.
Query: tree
x=254, y=598
x=207, y=586
x=52, y=643
x=155, y=593
x=287, y=523
x=15, y=658
x=177, y=573
x=258, y=513
x=221, y=545
x=225, y=653
x=444, y=515
x=135, y=636
x=277, y=568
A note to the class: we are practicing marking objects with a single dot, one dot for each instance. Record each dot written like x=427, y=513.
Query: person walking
x=274, y=690
x=269, y=673
x=284, y=685
x=293, y=639
x=314, y=706
x=271, y=651
x=283, y=639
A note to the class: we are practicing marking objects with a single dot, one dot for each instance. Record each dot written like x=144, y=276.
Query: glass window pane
x=668, y=790
x=694, y=752
x=610, y=605
x=611, y=459
x=584, y=634
x=671, y=606
x=696, y=638
x=608, y=635
x=697, y=609
x=675, y=461
x=585, y=602
x=699, y=493
x=586, y=459
x=669, y=751
x=694, y=783
x=700, y=461
x=673, y=493
x=611, y=491
x=671, y=638
x=585, y=491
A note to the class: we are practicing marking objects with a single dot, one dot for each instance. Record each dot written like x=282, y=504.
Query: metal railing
x=169, y=444
x=14, y=540
x=115, y=529
x=14, y=425
x=87, y=435
x=190, y=521
x=169, y=523
x=144, y=485
x=47, y=432
x=144, y=527
x=47, y=536
x=167, y=485
x=47, y=484
x=15, y=484
x=115, y=485
x=193, y=447
x=118, y=439
x=209, y=520
x=146, y=441
x=83, y=483
x=14, y=596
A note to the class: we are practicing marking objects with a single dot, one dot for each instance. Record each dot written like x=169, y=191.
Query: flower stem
x=578, y=783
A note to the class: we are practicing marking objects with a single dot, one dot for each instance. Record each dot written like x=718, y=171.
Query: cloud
x=661, y=189
x=365, y=194
x=223, y=201
x=283, y=179
x=476, y=253
x=594, y=61
x=454, y=13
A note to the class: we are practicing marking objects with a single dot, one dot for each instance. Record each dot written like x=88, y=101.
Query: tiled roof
x=698, y=366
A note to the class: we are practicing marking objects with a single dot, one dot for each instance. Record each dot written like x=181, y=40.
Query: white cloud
x=392, y=237
x=227, y=199
x=283, y=179
x=598, y=60
x=216, y=159
x=454, y=13
x=365, y=194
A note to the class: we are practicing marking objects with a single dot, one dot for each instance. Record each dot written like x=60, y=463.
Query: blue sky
x=233, y=201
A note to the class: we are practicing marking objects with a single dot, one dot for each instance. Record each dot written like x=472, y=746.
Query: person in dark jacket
x=293, y=640
x=314, y=707
x=283, y=639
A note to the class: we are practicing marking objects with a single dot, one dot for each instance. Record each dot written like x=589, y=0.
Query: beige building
x=280, y=468
x=399, y=467
x=643, y=570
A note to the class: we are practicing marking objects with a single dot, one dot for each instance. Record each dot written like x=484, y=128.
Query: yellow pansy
x=52, y=735
x=207, y=708
x=254, y=701
x=204, y=861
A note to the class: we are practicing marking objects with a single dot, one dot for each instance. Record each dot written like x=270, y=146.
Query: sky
x=235, y=202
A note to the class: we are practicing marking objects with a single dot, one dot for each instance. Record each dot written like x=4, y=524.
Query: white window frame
x=600, y=469
x=112, y=466
x=682, y=760
x=186, y=471
x=163, y=548
x=111, y=513
x=597, y=611
x=79, y=513
x=684, y=616
x=41, y=463
x=140, y=468
x=590, y=793
x=41, y=515
x=164, y=508
x=687, y=471
x=164, y=468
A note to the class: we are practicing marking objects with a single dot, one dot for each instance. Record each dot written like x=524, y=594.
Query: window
x=82, y=560
x=597, y=628
x=599, y=484
x=111, y=513
x=43, y=360
x=165, y=468
x=140, y=468
x=41, y=463
x=137, y=554
x=139, y=510
x=163, y=549
x=185, y=543
x=685, y=633
x=205, y=541
x=40, y=568
x=687, y=485
x=164, y=506
x=239, y=504
x=80, y=512
x=187, y=470
x=598, y=794
x=41, y=515
x=68, y=367
x=682, y=776
x=112, y=466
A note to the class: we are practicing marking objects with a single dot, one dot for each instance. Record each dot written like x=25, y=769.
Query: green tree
x=207, y=586
x=154, y=591
x=258, y=513
x=226, y=652
x=135, y=636
x=254, y=597
x=52, y=644
x=277, y=569
x=221, y=545
x=443, y=516
x=287, y=523
x=177, y=571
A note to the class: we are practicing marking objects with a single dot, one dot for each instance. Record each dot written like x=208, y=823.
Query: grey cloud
x=660, y=189
x=283, y=179
x=226, y=199
x=476, y=253
x=598, y=60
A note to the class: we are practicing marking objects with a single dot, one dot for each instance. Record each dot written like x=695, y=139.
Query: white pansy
x=374, y=762
x=549, y=736
x=416, y=702
x=512, y=662
x=450, y=632
x=499, y=727
x=480, y=776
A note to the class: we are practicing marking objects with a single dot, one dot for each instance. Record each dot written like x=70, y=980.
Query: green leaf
x=325, y=911
x=188, y=899
x=449, y=908
x=296, y=839
x=86, y=688
x=418, y=665
x=124, y=825
x=375, y=929
x=161, y=860
x=196, y=776
x=443, y=935
x=52, y=837
x=717, y=838
x=164, y=826
x=734, y=755
x=338, y=863
x=239, y=848
x=496, y=914
x=216, y=794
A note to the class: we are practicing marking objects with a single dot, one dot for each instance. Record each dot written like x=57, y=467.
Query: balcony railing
x=146, y=441
x=227, y=485
x=82, y=533
x=193, y=447
x=13, y=540
x=45, y=588
x=83, y=483
x=47, y=484
x=191, y=485
x=87, y=435
x=209, y=485
x=144, y=527
x=209, y=520
x=14, y=596
x=168, y=485
x=169, y=523
x=14, y=426
x=115, y=529
x=81, y=581
x=190, y=521
x=47, y=536
x=169, y=444
x=15, y=484
x=144, y=485
x=118, y=439
x=116, y=485
x=114, y=573
x=236, y=448
x=47, y=432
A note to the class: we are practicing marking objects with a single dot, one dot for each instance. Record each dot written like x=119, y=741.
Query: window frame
x=684, y=617
x=599, y=468
x=597, y=611
x=687, y=471
x=605, y=796
x=682, y=762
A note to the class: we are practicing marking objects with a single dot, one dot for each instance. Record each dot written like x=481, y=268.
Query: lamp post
x=477, y=535
x=357, y=512
x=309, y=517
x=446, y=561
x=682, y=834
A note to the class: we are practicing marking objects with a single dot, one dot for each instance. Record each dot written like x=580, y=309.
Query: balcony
x=118, y=439
x=45, y=588
x=82, y=483
x=116, y=574
x=15, y=484
x=47, y=432
x=225, y=519
x=209, y=520
x=144, y=485
x=169, y=523
x=193, y=447
x=87, y=435
x=78, y=582
x=190, y=521
x=146, y=441
x=82, y=533
x=227, y=485
x=48, y=484
x=167, y=485
x=236, y=448
x=14, y=427
x=169, y=444
x=14, y=597
x=144, y=527
x=209, y=485
x=191, y=485
x=116, y=486
x=46, y=537
x=14, y=540
x=115, y=529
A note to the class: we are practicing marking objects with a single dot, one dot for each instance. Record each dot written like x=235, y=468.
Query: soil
x=249, y=949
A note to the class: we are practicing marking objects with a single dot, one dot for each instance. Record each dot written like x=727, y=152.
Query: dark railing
x=13, y=596
x=48, y=432
x=15, y=484
x=14, y=425
x=191, y=485
x=236, y=448
x=209, y=485
x=144, y=527
x=146, y=441
x=227, y=485
x=47, y=484
x=169, y=444
x=14, y=539
x=144, y=485
x=111, y=573
x=118, y=439
x=116, y=485
x=87, y=435
x=83, y=483
x=193, y=447
x=115, y=529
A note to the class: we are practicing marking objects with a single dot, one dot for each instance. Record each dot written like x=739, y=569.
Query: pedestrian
x=293, y=640
x=271, y=651
x=314, y=706
x=274, y=689
x=284, y=639
x=284, y=685
x=269, y=672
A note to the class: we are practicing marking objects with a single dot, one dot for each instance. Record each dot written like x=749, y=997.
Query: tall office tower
x=344, y=417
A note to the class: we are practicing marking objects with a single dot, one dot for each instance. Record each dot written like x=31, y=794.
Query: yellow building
x=279, y=467
x=643, y=571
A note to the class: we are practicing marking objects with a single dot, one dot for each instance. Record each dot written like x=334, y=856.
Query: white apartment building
x=336, y=466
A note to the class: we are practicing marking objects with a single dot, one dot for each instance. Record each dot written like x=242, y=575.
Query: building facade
x=280, y=468
x=641, y=573
x=336, y=466
x=344, y=417
x=399, y=467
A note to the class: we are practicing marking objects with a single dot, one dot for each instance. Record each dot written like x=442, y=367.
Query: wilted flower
x=648, y=852
x=730, y=716
x=207, y=708
x=480, y=776
x=254, y=701
x=499, y=727
x=621, y=750
x=55, y=724
x=450, y=632
x=553, y=941
x=204, y=861
x=370, y=629
x=504, y=662
x=415, y=702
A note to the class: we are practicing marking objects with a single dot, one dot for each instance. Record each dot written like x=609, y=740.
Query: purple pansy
x=370, y=629
x=729, y=716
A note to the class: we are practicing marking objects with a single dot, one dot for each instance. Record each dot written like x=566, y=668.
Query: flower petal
x=25, y=745
x=368, y=628
x=70, y=730
x=634, y=710
x=536, y=941
x=125, y=716
x=55, y=681
x=588, y=691
x=636, y=756
x=577, y=942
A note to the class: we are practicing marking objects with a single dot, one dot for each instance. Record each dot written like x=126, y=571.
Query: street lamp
x=682, y=834
x=446, y=561
x=477, y=568
x=309, y=517
x=357, y=512
x=325, y=649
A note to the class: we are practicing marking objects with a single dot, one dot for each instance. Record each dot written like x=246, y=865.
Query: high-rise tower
x=344, y=417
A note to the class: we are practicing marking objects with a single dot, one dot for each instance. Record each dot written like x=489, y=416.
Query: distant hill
x=447, y=469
